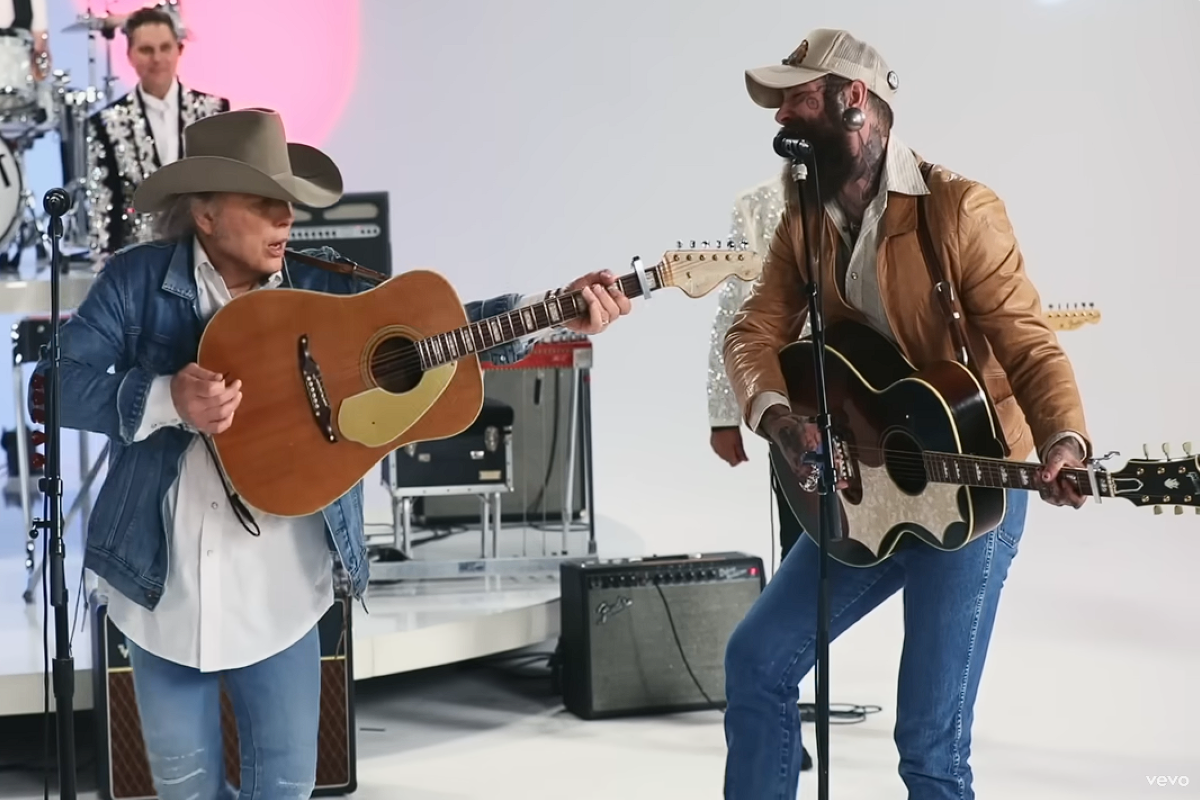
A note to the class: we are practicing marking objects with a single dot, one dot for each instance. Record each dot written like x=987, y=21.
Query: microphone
x=793, y=147
x=57, y=202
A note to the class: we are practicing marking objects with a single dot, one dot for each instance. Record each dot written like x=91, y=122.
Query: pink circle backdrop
x=299, y=57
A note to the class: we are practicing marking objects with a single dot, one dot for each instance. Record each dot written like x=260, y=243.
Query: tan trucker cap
x=824, y=52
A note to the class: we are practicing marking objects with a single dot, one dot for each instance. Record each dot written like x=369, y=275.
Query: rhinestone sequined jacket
x=756, y=214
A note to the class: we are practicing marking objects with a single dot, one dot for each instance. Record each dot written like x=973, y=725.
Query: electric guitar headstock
x=1072, y=317
x=1157, y=483
x=704, y=266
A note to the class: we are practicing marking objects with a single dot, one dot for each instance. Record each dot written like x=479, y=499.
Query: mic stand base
x=830, y=517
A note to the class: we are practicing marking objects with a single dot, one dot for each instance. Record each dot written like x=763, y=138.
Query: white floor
x=1088, y=694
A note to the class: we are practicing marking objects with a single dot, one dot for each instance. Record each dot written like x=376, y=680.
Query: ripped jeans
x=277, y=703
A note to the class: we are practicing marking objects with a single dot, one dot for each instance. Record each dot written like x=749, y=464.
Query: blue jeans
x=950, y=602
x=277, y=703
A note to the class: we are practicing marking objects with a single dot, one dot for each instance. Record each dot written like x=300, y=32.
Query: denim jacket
x=141, y=320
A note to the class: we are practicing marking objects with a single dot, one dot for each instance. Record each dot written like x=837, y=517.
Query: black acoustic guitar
x=921, y=455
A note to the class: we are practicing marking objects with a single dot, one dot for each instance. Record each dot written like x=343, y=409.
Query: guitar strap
x=343, y=267
x=948, y=299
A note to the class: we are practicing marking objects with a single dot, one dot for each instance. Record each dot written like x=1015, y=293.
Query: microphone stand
x=830, y=516
x=57, y=203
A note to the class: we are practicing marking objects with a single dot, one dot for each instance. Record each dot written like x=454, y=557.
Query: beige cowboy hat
x=243, y=151
x=825, y=51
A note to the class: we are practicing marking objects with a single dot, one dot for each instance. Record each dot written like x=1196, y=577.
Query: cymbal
x=89, y=22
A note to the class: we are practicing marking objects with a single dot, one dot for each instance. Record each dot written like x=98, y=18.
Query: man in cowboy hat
x=837, y=92
x=198, y=597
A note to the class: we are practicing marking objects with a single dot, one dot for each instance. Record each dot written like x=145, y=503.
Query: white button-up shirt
x=163, y=116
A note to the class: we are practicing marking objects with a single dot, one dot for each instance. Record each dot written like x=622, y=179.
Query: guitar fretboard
x=485, y=334
x=996, y=474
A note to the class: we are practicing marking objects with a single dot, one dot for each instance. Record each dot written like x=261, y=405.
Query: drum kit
x=34, y=105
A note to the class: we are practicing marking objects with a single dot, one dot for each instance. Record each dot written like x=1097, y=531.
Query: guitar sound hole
x=905, y=463
x=396, y=365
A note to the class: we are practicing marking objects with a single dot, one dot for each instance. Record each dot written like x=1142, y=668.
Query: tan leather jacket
x=1019, y=355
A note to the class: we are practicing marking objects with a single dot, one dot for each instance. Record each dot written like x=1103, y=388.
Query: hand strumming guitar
x=796, y=437
x=203, y=400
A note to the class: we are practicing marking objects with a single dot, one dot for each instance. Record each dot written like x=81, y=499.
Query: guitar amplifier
x=122, y=769
x=357, y=226
x=645, y=636
x=538, y=389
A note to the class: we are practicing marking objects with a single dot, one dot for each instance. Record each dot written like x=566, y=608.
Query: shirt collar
x=901, y=172
x=168, y=103
x=204, y=266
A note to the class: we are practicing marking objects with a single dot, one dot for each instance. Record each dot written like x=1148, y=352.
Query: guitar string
x=666, y=272
x=409, y=359
x=907, y=464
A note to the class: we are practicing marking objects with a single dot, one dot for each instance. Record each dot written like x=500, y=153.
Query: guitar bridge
x=314, y=390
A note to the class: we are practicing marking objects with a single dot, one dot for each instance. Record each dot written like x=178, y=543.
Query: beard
x=834, y=161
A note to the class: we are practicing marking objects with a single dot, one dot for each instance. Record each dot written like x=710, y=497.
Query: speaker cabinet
x=541, y=403
x=645, y=636
x=122, y=769
x=357, y=226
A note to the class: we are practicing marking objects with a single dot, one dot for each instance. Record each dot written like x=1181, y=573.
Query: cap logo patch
x=797, y=56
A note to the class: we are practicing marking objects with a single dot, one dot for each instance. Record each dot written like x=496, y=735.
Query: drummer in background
x=141, y=131
x=29, y=16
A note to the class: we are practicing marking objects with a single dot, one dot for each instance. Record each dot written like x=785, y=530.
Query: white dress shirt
x=231, y=599
x=163, y=116
x=8, y=15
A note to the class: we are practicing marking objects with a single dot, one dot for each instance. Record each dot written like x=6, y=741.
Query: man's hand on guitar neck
x=1058, y=489
x=605, y=302
x=796, y=437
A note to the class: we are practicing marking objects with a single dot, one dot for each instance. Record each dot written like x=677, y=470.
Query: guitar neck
x=556, y=310
x=962, y=470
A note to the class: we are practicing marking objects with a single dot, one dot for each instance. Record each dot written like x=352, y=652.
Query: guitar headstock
x=1072, y=317
x=1164, y=482
x=700, y=269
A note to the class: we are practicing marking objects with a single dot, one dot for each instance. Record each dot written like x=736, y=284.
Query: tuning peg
x=1166, y=449
x=1158, y=509
x=1178, y=510
x=693, y=244
x=1146, y=450
x=1187, y=448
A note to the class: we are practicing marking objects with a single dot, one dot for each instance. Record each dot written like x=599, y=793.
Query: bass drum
x=12, y=189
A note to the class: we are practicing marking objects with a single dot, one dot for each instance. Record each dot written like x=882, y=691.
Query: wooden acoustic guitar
x=333, y=383
x=921, y=456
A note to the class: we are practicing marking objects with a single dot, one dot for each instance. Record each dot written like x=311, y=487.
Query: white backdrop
x=527, y=141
